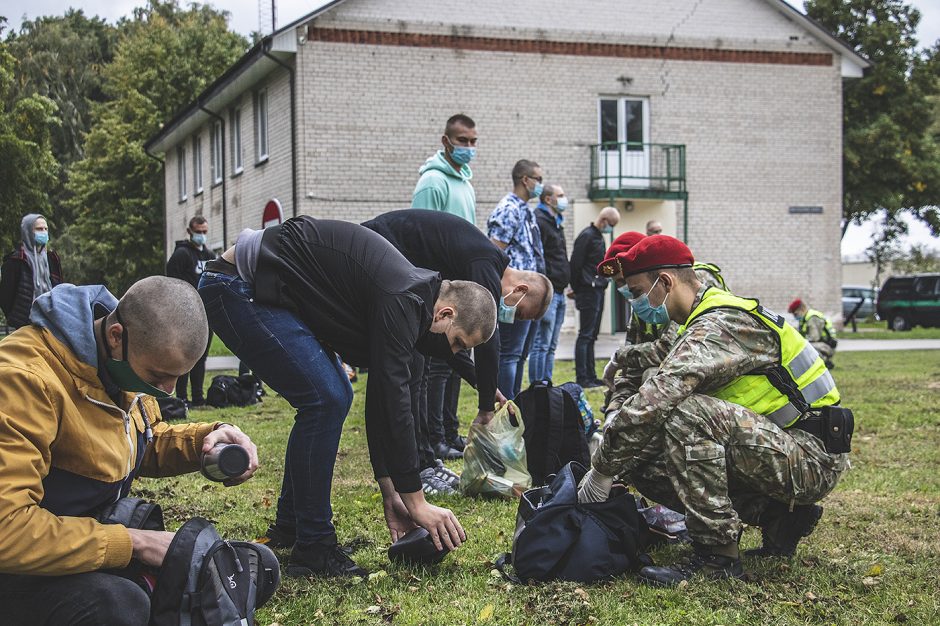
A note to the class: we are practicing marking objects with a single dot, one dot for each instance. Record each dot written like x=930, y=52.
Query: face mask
x=199, y=239
x=121, y=372
x=41, y=238
x=536, y=191
x=608, y=230
x=507, y=314
x=436, y=345
x=648, y=313
x=462, y=155
x=562, y=205
x=625, y=292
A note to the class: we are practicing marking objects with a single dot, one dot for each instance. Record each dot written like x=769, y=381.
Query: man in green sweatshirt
x=445, y=177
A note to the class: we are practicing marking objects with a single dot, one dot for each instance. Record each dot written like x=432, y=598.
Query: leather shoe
x=710, y=566
x=445, y=452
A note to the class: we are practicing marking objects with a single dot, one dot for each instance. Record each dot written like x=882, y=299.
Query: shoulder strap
x=556, y=424
x=500, y=564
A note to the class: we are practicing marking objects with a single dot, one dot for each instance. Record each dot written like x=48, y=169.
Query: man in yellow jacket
x=78, y=422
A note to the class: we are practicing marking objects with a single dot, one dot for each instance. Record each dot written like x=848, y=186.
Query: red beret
x=794, y=305
x=655, y=252
x=610, y=266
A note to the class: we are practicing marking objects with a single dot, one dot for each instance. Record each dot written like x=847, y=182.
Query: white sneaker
x=432, y=483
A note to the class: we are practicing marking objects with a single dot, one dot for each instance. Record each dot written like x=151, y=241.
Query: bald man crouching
x=78, y=422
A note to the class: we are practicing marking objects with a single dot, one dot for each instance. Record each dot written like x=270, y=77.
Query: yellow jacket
x=66, y=451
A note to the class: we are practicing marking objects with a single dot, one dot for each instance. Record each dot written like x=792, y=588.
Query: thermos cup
x=224, y=461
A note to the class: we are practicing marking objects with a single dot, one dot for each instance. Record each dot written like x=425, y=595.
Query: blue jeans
x=285, y=354
x=547, y=329
x=512, y=354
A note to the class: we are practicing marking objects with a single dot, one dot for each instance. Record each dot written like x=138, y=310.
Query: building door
x=624, y=152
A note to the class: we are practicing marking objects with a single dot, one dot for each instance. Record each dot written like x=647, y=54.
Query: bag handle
x=500, y=564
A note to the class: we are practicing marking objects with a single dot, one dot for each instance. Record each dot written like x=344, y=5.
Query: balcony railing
x=638, y=170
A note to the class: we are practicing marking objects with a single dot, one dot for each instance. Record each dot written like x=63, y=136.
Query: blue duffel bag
x=559, y=539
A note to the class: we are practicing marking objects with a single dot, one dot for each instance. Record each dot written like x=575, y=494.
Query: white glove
x=610, y=370
x=594, y=487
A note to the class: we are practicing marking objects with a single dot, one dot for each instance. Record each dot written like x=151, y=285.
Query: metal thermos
x=224, y=461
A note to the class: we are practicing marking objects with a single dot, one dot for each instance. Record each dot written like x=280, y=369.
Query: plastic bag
x=494, y=461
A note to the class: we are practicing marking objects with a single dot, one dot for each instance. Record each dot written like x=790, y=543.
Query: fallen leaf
x=373, y=610
x=379, y=575
x=876, y=570
x=581, y=593
x=486, y=614
x=683, y=584
x=869, y=581
x=810, y=596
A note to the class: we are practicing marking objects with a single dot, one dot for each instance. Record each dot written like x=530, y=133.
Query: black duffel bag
x=559, y=539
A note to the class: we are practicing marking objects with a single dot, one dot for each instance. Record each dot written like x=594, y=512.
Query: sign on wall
x=273, y=214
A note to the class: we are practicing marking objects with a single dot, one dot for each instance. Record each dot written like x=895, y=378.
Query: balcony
x=637, y=170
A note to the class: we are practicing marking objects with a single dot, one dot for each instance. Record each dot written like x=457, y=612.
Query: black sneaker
x=279, y=536
x=709, y=566
x=446, y=452
x=322, y=561
x=784, y=529
x=458, y=443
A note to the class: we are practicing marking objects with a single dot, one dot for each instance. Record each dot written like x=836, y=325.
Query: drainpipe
x=293, y=130
x=166, y=247
x=224, y=177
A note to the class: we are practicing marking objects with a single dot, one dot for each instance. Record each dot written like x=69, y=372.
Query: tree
x=27, y=167
x=885, y=246
x=918, y=259
x=891, y=161
x=164, y=57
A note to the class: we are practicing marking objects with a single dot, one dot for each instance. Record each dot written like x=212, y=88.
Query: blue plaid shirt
x=513, y=222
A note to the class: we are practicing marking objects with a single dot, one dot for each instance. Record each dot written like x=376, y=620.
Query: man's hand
x=150, y=546
x=445, y=530
x=485, y=417
x=397, y=517
x=610, y=372
x=594, y=487
x=229, y=433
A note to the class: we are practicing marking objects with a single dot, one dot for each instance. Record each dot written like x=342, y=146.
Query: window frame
x=197, y=165
x=238, y=153
x=181, y=172
x=217, y=163
x=261, y=107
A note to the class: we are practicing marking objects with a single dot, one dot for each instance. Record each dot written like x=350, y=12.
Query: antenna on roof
x=267, y=16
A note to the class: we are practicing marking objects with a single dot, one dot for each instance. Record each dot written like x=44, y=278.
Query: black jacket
x=16, y=285
x=588, y=252
x=365, y=301
x=557, y=267
x=188, y=261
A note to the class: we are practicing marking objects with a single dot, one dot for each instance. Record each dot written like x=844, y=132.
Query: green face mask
x=121, y=372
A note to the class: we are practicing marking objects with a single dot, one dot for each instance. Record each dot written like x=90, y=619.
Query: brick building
x=723, y=120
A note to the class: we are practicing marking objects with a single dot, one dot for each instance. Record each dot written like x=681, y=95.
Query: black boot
x=783, y=529
x=444, y=451
x=323, y=561
x=701, y=562
x=279, y=536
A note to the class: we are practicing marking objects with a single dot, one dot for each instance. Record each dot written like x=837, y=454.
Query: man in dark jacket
x=460, y=251
x=294, y=299
x=550, y=218
x=29, y=271
x=187, y=263
x=589, y=290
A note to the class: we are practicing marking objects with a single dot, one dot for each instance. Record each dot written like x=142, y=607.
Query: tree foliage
x=891, y=159
x=164, y=57
x=28, y=168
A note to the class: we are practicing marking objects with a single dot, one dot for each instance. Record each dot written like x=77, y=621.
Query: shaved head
x=165, y=316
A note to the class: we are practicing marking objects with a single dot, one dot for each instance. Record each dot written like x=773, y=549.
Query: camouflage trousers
x=722, y=464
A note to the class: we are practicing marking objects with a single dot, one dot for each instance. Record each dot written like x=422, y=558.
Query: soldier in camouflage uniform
x=720, y=462
x=817, y=329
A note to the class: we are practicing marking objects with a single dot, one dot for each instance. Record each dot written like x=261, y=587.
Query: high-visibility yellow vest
x=712, y=269
x=782, y=392
x=828, y=331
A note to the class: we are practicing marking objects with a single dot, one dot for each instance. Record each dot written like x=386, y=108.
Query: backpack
x=557, y=538
x=172, y=409
x=555, y=430
x=225, y=391
x=206, y=580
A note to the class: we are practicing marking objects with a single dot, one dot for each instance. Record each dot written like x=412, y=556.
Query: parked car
x=908, y=301
x=852, y=295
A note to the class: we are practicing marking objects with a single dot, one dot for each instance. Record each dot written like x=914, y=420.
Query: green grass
x=217, y=348
x=874, y=559
x=880, y=330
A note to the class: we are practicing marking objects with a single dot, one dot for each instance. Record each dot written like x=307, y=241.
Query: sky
x=245, y=19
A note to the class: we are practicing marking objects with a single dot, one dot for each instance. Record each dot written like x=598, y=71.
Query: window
x=235, y=129
x=261, y=126
x=181, y=171
x=215, y=151
x=197, y=165
x=925, y=286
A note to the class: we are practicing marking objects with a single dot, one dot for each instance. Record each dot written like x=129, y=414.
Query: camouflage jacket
x=815, y=329
x=716, y=348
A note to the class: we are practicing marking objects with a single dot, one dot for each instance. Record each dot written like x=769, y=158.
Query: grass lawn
x=880, y=330
x=874, y=558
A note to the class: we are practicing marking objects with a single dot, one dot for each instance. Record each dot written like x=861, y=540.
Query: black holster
x=833, y=425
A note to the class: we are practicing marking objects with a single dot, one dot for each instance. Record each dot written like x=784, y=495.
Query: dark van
x=908, y=301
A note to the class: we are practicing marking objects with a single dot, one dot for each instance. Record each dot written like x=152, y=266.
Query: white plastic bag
x=494, y=460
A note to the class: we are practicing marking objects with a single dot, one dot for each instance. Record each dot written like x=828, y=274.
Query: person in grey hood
x=29, y=271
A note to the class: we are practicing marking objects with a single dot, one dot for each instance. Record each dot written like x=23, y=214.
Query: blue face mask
x=462, y=155
x=625, y=292
x=507, y=314
x=41, y=238
x=562, y=205
x=199, y=239
x=536, y=191
x=647, y=312
x=608, y=230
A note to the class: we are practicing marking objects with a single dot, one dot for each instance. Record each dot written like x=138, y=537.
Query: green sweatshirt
x=442, y=188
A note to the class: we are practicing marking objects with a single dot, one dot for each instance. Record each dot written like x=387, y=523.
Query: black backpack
x=172, y=408
x=225, y=391
x=554, y=428
x=559, y=539
x=208, y=581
